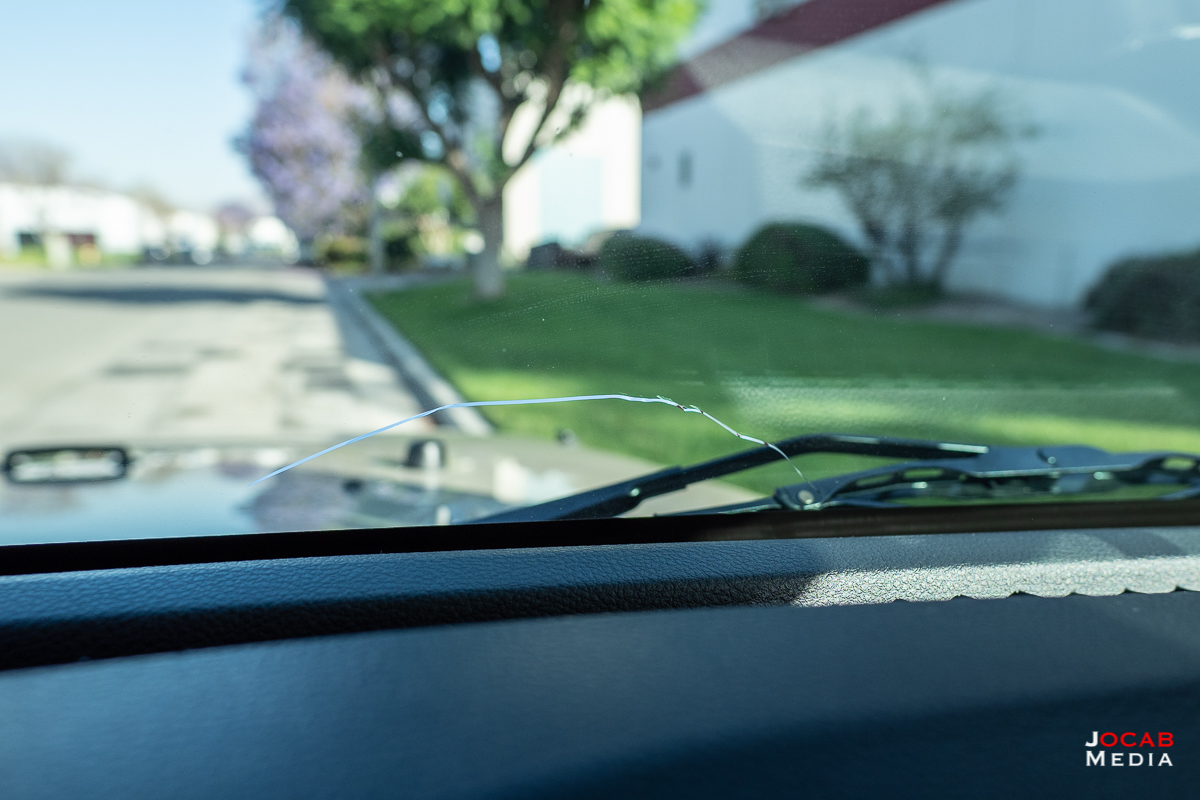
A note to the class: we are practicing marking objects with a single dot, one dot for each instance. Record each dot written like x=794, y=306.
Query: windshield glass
x=237, y=234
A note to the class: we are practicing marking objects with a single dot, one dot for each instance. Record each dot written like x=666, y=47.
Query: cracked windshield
x=235, y=235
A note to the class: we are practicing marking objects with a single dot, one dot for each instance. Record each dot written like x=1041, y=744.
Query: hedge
x=1153, y=297
x=629, y=257
x=799, y=259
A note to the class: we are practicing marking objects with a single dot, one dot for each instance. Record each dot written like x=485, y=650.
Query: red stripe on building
x=814, y=24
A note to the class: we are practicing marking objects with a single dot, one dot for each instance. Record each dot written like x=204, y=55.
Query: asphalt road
x=180, y=354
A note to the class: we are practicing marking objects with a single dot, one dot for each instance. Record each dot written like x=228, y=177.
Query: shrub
x=340, y=250
x=711, y=258
x=1155, y=297
x=400, y=251
x=799, y=259
x=640, y=258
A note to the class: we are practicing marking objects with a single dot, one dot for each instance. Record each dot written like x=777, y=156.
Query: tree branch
x=451, y=157
x=553, y=95
x=492, y=78
x=951, y=241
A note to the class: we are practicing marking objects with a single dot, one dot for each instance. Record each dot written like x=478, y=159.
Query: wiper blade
x=1000, y=473
x=617, y=498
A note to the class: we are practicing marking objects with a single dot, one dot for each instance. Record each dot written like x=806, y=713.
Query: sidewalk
x=365, y=331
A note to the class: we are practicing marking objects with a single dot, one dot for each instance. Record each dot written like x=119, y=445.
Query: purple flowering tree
x=302, y=143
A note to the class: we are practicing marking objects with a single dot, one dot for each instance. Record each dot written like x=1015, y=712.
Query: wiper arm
x=617, y=498
x=1000, y=473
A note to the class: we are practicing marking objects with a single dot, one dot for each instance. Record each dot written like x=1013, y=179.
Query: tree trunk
x=375, y=252
x=489, y=279
x=951, y=241
x=307, y=256
x=909, y=245
x=876, y=235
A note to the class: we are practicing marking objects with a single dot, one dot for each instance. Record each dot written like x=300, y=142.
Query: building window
x=685, y=169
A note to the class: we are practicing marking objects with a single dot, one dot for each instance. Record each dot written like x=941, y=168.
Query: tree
x=916, y=180
x=303, y=143
x=424, y=212
x=479, y=86
x=233, y=217
x=31, y=161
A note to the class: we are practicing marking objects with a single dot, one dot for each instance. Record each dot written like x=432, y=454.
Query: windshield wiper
x=1002, y=473
x=617, y=498
x=943, y=470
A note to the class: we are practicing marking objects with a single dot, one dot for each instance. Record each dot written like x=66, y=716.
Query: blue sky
x=139, y=91
x=147, y=91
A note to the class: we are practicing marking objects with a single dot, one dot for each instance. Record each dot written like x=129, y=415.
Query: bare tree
x=917, y=179
x=154, y=200
x=31, y=161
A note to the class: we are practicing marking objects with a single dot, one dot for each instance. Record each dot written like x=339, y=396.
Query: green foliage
x=799, y=259
x=433, y=190
x=611, y=45
x=383, y=145
x=1158, y=298
x=431, y=52
x=430, y=59
x=401, y=250
x=639, y=258
x=428, y=215
x=342, y=250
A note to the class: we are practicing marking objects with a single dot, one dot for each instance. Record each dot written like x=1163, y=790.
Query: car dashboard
x=820, y=655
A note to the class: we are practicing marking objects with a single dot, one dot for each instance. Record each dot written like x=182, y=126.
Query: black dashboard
x=736, y=657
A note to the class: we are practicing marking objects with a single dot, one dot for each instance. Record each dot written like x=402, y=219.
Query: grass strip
x=774, y=366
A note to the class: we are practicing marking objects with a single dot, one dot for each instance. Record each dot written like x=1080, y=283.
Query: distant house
x=63, y=219
x=1111, y=85
x=73, y=223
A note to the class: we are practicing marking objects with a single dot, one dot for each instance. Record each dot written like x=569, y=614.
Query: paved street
x=184, y=354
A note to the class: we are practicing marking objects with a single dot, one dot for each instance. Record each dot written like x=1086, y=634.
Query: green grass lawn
x=774, y=367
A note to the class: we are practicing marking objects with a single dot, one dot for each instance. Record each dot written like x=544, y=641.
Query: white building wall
x=269, y=235
x=588, y=182
x=11, y=219
x=190, y=230
x=1115, y=170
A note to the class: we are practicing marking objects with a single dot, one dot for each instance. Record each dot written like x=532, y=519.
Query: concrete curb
x=430, y=388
